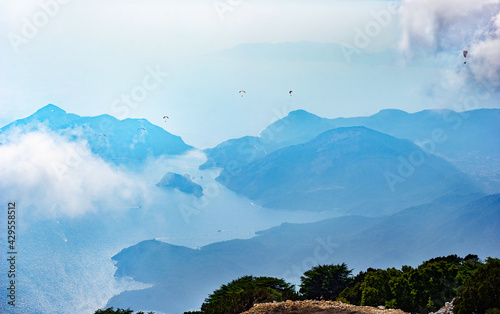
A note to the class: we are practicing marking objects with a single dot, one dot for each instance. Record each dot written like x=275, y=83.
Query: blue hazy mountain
x=127, y=141
x=183, y=277
x=348, y=170
x=467, y=139
x=182, y=183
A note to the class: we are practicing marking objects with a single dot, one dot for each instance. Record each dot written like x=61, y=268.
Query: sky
x=148, y=59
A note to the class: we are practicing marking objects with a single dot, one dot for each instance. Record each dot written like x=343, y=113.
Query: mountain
x=182, y=183
x=348, y=170
x=126, y=141
x=466, y=139
x=183, y=277
x=235, y=151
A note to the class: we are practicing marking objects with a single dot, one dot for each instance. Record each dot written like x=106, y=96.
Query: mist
x=76, y=211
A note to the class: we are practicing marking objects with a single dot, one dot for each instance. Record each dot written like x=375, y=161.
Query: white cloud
x=53, y=177
x=453, y=26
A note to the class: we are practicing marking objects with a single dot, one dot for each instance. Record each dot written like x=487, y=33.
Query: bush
x=241, y=294
x=481, y=293
x=325, y=282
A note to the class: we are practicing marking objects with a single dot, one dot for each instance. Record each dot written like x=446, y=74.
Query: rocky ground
x=299, y=307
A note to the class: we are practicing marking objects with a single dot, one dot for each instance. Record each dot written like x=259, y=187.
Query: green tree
x=376, y=288
x=352, y=294
x=435, y=283
x=482, y=291
x=418, y=290
x=402, y=291
x=241, y=294
x=325, y=282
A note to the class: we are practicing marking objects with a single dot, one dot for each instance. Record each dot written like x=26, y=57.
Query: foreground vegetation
x=474, y=286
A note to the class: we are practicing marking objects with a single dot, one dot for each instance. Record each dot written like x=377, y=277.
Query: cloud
x=51, y=176
x=452, y=26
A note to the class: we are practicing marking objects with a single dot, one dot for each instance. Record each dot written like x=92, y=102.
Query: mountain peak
x=290, y=125
x=391, y=113
x=301, y=114
x=50, y=108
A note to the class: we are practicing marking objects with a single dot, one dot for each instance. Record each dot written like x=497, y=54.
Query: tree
x=376, y=288
x=325, y=282
x=481, y=292
x=241, y=294
x=352, y=294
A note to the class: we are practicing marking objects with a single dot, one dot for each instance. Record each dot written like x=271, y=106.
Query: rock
x=182, y=183
x=309, y=306
x=446, y=309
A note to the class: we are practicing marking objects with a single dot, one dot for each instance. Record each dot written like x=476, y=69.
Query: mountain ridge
x=348, y=239
x=128, y=141
x=352, y=169
x=467, y=139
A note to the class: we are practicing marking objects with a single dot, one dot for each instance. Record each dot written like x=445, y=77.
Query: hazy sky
x=86, y=56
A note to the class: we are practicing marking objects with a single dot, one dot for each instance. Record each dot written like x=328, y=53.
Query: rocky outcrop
x=303, y=307
x=182, y=183
x=446, y=309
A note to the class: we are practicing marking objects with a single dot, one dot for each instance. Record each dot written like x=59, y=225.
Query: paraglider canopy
x=242, y=91
x=165, y=117
x=465, y=55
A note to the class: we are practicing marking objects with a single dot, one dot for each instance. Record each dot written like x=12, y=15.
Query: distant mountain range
x=351, y=170
x=409, y=187
x=183, y=277
x=468, y=139
x=129, y=141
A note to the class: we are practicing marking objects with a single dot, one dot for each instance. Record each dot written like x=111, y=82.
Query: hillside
x=466, y=139
x=406, y=238
x=351, y=170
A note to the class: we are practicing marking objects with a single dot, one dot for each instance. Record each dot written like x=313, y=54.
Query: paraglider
x=165, y=117
x=465, y=55
x=242, y=91
x=290, y=93
x=142, y=130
